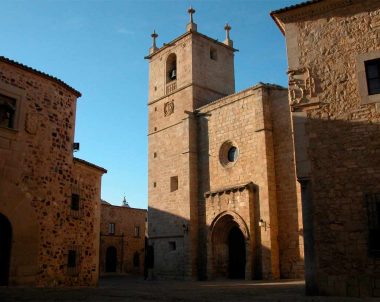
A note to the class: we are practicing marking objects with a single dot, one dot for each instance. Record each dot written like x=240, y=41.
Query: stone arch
x=225, y=225
x=171, y=68
x=17, y=207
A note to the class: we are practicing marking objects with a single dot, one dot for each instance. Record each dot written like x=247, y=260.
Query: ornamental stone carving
x=31, y=123
x=301, y=88
x=169, y=108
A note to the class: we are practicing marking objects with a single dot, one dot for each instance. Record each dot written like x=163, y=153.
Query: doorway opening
x=236, y=254
x=111, y=259
x=5, y=249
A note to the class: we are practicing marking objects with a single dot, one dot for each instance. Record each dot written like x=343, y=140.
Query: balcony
x=171, y=86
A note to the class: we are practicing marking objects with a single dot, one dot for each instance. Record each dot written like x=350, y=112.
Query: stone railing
x=171, y=87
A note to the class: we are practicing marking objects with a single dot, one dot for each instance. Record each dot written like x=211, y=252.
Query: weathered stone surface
x=337, y=141
x=128, y=241
x=38, y=177
x=189, y=228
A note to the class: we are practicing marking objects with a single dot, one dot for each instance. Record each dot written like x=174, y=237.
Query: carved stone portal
x=169, y=108
x=301, y=88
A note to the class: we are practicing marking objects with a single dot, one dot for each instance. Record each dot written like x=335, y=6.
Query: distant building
x=122, y=239
x=222, y=187
x=49, y=200
x=333, y=49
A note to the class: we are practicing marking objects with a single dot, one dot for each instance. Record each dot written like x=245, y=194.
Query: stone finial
x=228, y=41
x=125, y=202
x=154, y=47
x=191, y=26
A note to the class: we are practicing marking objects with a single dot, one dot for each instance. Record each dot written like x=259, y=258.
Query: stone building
x=49, y=200
x=222, y=188
x=122, y=239
x=334, y=92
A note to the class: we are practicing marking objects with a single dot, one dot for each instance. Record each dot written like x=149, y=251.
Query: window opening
x=213, y=54
x=75, y=202
x=171, y=67
x=373, y=205
x=137, y=231
x=7, y=111
x=173, y=183
x=111, y=228
x=172, y=246
x=372, y=69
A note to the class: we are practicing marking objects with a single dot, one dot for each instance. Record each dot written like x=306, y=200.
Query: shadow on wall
x=338, y=164
x=235, y=253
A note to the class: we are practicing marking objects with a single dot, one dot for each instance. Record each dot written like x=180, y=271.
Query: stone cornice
x=235, y=188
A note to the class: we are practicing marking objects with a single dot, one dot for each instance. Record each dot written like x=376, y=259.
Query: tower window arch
x=171, y=68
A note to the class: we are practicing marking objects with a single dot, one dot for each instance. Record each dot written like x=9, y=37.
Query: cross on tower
x=191, y=11
x=191, y=26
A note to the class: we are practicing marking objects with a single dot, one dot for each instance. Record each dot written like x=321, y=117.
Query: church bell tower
x=184, y=74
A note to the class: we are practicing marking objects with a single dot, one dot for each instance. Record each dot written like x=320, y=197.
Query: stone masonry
x=122, y=229
x=336, y=123
x=223, y=199
x=45, y=239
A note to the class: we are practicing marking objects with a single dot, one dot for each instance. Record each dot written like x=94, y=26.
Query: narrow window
x=7, y=111
x=372, y=70
x=373, y=206
x=136, y=259
x=172, y=246
x=213, y=54
x=75, y=202
x=111, y=229
x=155, y=154
x=154, y=185
x=171, y=68
x=173, y=183
x=72, y=258
x=137, y=231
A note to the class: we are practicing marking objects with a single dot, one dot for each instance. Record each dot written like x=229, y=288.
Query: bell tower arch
x=184, y=74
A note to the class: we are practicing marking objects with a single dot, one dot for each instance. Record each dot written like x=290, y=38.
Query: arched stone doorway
x=111, y=259
x=228, y=256
x=5, y=249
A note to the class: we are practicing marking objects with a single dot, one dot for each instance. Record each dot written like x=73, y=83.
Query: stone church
x=223, y=197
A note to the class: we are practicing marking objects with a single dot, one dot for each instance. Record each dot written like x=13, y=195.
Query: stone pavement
x=130, y=289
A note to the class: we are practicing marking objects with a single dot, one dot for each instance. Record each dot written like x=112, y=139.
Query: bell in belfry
x=173, y=74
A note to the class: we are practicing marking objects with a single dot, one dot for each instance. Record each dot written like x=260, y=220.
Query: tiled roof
x=288, y=8
x=40, y=73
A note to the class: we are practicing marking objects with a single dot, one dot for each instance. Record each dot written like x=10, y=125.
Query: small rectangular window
x=7, y=111
x=72, y=258
x=213, y=54
x=173, y=183
x=111, y=228
x=137, y=231
x=75, y=202
x=372, y=70
x=373, y=206
x=172, y=246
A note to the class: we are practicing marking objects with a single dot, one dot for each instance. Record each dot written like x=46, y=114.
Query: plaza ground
x=116, y=288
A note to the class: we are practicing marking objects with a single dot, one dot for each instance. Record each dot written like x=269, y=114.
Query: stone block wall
x=336, y=132
x=128, y=241
x=38, y=176
x=257, y=122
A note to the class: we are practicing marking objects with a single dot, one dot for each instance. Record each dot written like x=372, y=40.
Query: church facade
x=223, y=198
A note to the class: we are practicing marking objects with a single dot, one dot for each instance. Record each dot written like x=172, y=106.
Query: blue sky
x=98, y=47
